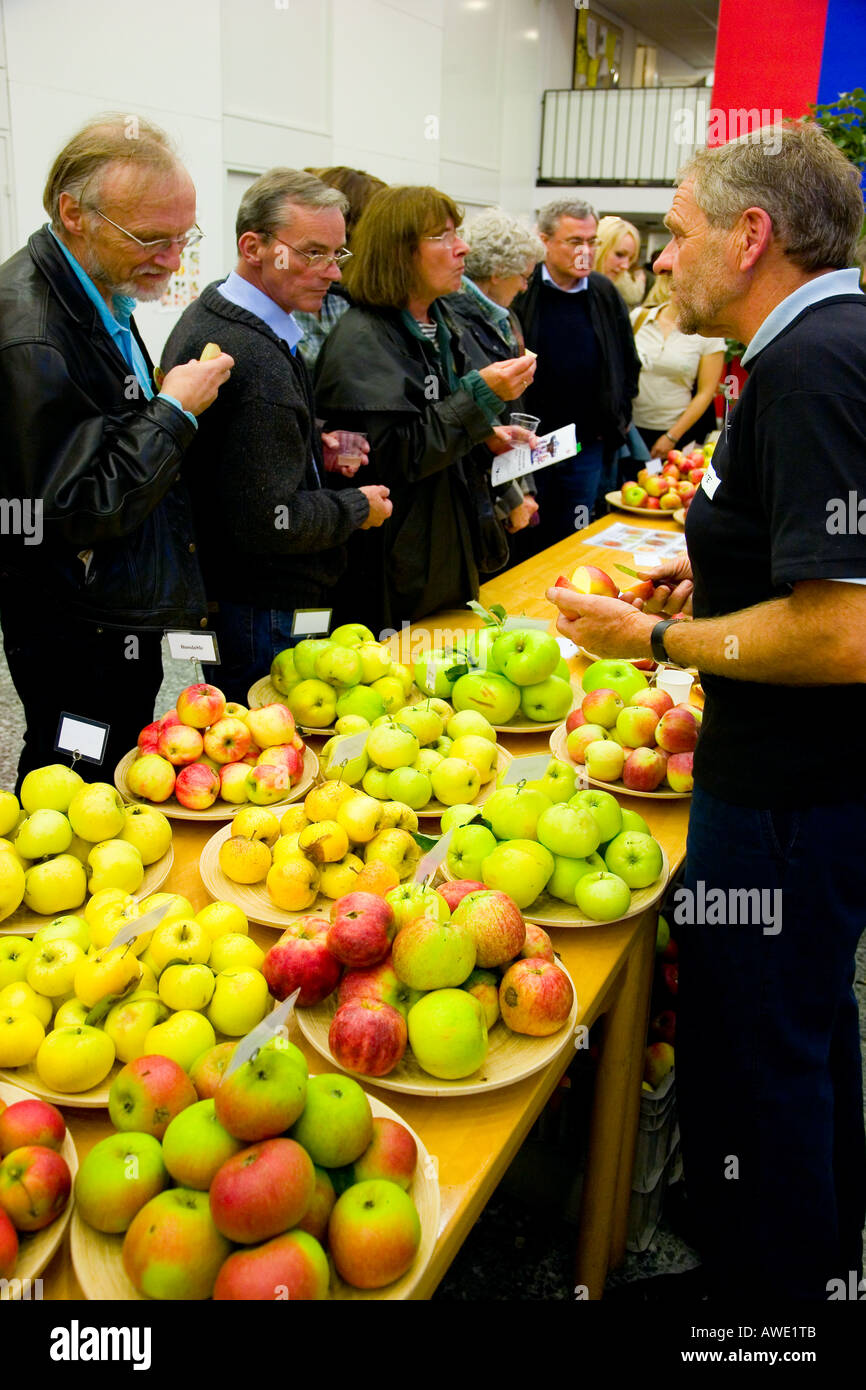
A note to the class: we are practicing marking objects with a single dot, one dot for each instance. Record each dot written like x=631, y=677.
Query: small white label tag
x=274, y=1025
x=433, y=858
x=347, y=747
x=130, y=930
x=311, y=622
x=567, y=647
x=653, y=466
x=526, y=769
x=193, y=646
x=710, y=481
x=525, y=624
x=83, y=738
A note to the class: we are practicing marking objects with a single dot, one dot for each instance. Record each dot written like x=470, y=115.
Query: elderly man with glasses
x=98, y=555
x=271, y=534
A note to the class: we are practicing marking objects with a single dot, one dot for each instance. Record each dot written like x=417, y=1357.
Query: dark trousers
x=248, y=639
x=58, y=665
x=768, y=1048
x=566, y=495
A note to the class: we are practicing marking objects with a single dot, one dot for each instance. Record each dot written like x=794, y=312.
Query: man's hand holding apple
x=606, y=626
x=673, y=591
x=196, y=384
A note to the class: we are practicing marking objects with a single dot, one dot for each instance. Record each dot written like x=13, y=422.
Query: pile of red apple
x=35, y=1181
x=645, y=740
x=672, y=488
x=207, y=748
x=239, y=1187
x=425, y=970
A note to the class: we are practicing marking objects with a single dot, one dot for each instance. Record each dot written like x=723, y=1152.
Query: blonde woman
x=680, y=372
x=617, y=258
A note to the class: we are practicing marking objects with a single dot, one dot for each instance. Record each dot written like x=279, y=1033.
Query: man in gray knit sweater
x=271, y=537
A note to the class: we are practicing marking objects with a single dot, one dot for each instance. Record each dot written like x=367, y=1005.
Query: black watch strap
x=657, y=639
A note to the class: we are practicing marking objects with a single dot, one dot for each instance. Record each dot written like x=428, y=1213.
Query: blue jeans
x=249, y=639
x=768, y=1047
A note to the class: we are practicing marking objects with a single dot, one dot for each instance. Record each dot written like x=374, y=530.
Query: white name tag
x=193, y=646
x=653, y=466
x=311, y=622
x=526, y=769
x=710, y=481
x=433, y=858
x=83, y=738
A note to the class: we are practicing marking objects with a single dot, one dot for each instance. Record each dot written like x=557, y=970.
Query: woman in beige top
x=680, y=373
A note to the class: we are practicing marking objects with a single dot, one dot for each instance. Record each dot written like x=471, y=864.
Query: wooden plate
x=552, y=912
x=36, y=1250
x=221, y=810
x=28, y=1079
x=519, y=724
x=615, y=500
x=511, y=1056
x=23, y=922
x=436, y=808
x=559, y=750
x=98, y=1260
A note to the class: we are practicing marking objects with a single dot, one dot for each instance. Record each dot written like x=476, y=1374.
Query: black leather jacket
x=77, y=434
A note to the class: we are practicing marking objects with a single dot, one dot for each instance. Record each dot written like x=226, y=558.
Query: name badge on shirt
x=710, y=481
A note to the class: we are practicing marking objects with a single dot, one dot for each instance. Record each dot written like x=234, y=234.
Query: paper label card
x=275, y=1025
x=130, y=930
x=653, y=466
x=311, y=622
x=193, y=646
x=82, y=738
x=433, y=858
x=348, y=747
x=526, y=769
x=524, y=624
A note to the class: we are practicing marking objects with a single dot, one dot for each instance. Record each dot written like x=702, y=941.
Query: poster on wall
x=597, y=51
x=185, y=284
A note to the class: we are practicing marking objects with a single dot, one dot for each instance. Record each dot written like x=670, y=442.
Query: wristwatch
x=657, y=639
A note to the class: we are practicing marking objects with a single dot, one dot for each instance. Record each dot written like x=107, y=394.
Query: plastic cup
x=675, y=683
x=526, y=422
x=350, y=451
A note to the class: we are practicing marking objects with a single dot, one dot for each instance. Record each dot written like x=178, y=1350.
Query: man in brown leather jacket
x=97, y=554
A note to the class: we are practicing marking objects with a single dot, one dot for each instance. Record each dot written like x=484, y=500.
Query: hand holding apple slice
x=671, y=583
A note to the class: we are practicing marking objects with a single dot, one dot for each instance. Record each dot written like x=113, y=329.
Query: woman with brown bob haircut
x=400, y=367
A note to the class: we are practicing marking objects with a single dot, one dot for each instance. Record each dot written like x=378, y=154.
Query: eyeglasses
x=191, y=238
x=318, y=259
x=580, y=241
x=447, y=238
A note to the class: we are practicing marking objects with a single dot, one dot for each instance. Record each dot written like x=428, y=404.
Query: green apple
x=426, y=724
x=546, y=701
x=443, y=745
x=478, y=751
x=635, y=857
x=335, y=765
x=149, y=830
x=460, y=814
x=403, y=674
x=603, y=896
x=409, y=901
x=563, y=670
x=240, y=1001
x=339, y=666
x=469, y=847
x=391, y=746
x=195, y=1145
x=115, y=864
x=284, y=674
x=448, y=1033
x=183, y=1037
x=375, y=783
x=492, y=695
x=16, y=952
x=116, y=1178
x=313, y=703
x=235, y=951
x=526, y=657
x=479, y=645
x=409, y=785
x=189, y=986
x=620, y=676
x=567, y=872
x=305, y=656
x=432, y=672
x=520, y=868
x=375, y=661
x=512, y=812
x=469, y=721
x=96, y=812
x=557, y=783
x=392, y=692
x=66, y=928
x=55, y=886
x=360, y=700
x=426, y=760
x=337, y=1123
x=604, y=807
x=455, y=780
x=351, y=723
x=430, y=954
x=484, y=985
x=352, y=635
x=632, y=821
x=44, y=832
x=568, y=830
x=49, y=788
x=130, y=1021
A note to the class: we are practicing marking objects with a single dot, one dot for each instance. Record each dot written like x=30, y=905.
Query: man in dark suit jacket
x=587, y=370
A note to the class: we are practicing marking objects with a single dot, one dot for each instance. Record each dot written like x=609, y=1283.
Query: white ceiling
x=685, y=27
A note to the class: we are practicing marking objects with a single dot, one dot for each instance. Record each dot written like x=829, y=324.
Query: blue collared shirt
x=546, y=275
x=247, y=296
x=117, y=327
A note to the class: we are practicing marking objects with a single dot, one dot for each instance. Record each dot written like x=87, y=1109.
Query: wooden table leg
x=607, y=1182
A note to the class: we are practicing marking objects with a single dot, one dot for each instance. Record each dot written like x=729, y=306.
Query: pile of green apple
x=503, y=673
x=348, y=673
x=543, y=837
x=69, y=838
x=239, y=1184
x=423, y=753
x=71, y=1004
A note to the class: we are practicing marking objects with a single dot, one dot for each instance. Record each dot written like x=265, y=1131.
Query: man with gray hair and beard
x=768, y=1067
x=92, y=444
x=271, y=534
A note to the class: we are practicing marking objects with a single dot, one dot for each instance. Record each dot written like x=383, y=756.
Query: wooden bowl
x=559, y=750
x=35, y=1251
x=23, y=922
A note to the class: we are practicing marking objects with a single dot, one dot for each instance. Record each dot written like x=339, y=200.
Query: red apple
x=374, y=1234
x=671, y=977
x=301, y=959
x=643, y=663
x=679, y=773
x=206, y=1073
x=167, y=720
x=287, y=756
x=262, y=1097
x=574, y=720
x=392, y=1154
x=362, y=929
x=686, y=491
x=35, y=1184
x=497, y=924
x=200, y=705
x=147, y=1093
x=455, y=891
x=368, y=1036
x=538, y=945
x=535, y=997
x=197, y=786
x=318, y=1214
x=172, y=1249
x=642, y=589
x=148, y=739
x=8, y=1246
x=228, y=740
x=655, y=486
x=563, y=583
x=664, y=1027
x=180, y=744
x=677, y=730
x=652, y=504
x=31, y=1122
x=654, y=698
x=602, y=707
x=291, y=1266
x=262, y=1191
x=696, y=476
x=644, y=770
x=589, y=579
x=377, y=982
x=636, y=726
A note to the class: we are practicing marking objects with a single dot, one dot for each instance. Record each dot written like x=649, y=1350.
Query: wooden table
x=475, y=1139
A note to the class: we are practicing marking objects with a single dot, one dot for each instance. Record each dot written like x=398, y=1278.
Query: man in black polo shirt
x=768, y=1056
x=587, y=370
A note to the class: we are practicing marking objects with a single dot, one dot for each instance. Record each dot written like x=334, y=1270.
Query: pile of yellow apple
x=335, y=842
x=324, y=679
x=68, y=838
x=422, y=753
x=207, y=749
x=71, y=1004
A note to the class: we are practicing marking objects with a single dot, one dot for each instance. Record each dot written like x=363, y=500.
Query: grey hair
x=568, y=207
x=263, y=206
x=795, y=173
x=106, y=141
x=499, y=245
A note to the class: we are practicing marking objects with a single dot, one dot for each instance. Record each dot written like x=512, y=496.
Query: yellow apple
x=219, y=917
x=335, y=880
x=244, y=861
x=240, y=1001
x=115, y=864
x=16, y=953
x=186, y=986
x=51, y=970
x=21, y=1036
x=12, y=883
x=256, y=823
x=20, y=995
x=54, y=886
x=130, y=1021
x=9, y=811
x=235, y=952
x=323, y=801
x=96, y=812
x=51, y=787
x=395, y=847
x=183, y=1038
x=149, y=830
x=294, y=884
x=65, y=928
x=186, y=941
x=108, y=972
x=75, y=1059
x=179, y=906
x=360, y=816
x=71, y=1014
x=294, y=819
x=324, y=841
x=479, y=751
x=287, y=847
